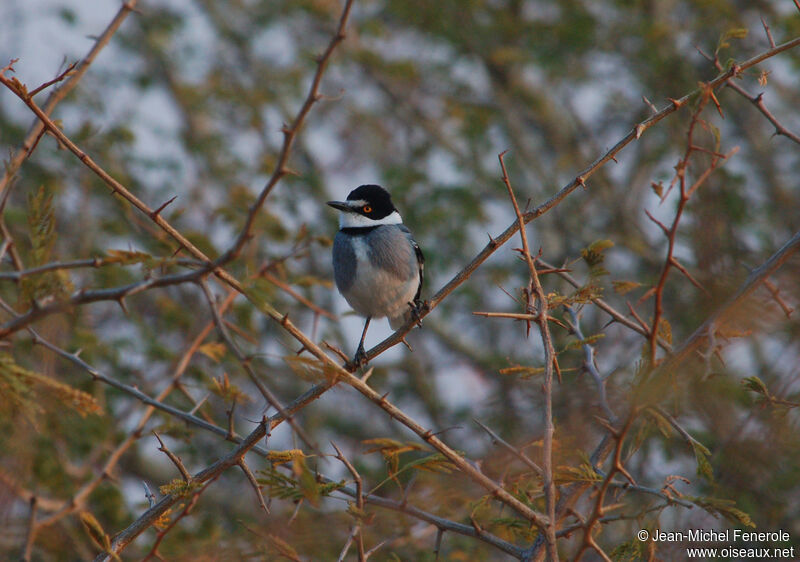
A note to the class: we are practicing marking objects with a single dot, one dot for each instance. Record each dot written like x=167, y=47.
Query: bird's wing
x=420, y=259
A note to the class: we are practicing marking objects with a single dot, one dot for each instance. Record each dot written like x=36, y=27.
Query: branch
x=589, y=365
x=580, y=180
x=550, y=361
x=289, y=135
x=151, y=515
x=37, y=128
x=268, y=395
x=118, y=294
x=701, y=336
x=510, y=448
x=440, y=522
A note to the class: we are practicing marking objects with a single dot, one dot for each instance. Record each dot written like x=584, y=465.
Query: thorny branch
x=535, y=292
x=460, y=278
x=580, y=181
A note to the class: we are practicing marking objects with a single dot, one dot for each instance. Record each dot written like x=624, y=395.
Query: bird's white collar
x=355, y=220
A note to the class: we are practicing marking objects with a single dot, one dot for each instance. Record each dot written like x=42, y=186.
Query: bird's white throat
x=355, y=220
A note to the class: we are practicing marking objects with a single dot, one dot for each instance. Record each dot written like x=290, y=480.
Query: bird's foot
x=360, y=358
x=417, y=308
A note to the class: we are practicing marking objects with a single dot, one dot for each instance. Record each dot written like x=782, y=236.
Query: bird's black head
x=377, y=203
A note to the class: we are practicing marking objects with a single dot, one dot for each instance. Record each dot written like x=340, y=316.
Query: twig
x=580, y=180
x=671, y=232
x=77, y=264
x=718, y=318
x=441, y=523
x=37, y=128
x=589, y=365
x=300, y=298
x=248, y=368
x=776, y=295
x=136, y=528
x=359, y=501
x=599, y=510
x=289, y=135
x=254, y=483
x=175, y=460
x=550, y=361
x=617, y=316
x=67, y=72
x=510, y=448
x=118, y=294
x=767, y=31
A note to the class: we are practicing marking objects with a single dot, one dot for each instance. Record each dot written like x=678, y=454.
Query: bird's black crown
x=378, y=200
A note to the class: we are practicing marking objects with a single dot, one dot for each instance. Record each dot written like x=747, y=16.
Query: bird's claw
x=417, y=308
x=360, y=358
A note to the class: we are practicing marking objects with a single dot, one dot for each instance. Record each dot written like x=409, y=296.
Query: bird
x=377, y=264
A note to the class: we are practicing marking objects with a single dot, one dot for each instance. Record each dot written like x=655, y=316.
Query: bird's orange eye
x=366, y=209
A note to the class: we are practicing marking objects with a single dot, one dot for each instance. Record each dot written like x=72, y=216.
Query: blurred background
x=188, y=100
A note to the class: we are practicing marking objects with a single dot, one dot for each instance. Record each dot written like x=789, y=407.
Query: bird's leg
x=361, y=356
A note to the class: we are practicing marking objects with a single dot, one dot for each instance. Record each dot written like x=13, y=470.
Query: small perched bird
x=377, y=263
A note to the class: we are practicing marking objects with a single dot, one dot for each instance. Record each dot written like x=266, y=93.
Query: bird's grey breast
x=345, y=262
x=390, y=249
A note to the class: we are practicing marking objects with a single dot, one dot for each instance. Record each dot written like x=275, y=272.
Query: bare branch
x=270, y=397
x=510, y=448
x=496, y=242
x=289, y=135
x=174, y=458
x=38, y=128
x=254, y=483
x=550, y=361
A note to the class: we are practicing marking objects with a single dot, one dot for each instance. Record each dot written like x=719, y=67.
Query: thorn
x=639, y=130
x=155, y=213
x=368, y=374
x=122, y=305
x=403, y=339
x=716, y=103
x=675, y=103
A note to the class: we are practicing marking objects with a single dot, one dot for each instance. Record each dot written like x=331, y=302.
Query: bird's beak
x=341, y=205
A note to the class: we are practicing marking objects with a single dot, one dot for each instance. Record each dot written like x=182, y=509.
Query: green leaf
x=522, y=371
x=42, y=235
x=306, y=480
x=593, y=254
x=624, y=287
x=213, y=350
x=755, y=384
x=701, y=454
x=723, y=507
x=22, y=389
x=577, y=344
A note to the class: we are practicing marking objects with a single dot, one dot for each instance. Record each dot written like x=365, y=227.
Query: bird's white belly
x=376, y=292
